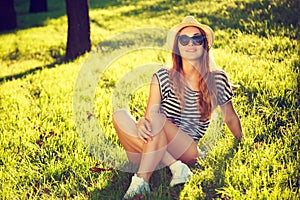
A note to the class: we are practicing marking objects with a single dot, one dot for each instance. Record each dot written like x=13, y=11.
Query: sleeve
x=224, y=91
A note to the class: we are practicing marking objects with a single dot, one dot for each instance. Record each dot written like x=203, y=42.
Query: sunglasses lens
x=184, y=40
x=197, y=40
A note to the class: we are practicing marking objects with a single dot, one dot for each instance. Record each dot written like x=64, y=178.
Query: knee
x=119, y=115
x=124, y=122
x=158, y=122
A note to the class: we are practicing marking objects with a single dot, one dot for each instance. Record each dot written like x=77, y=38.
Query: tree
x=8, y=16
x=78, y=41
x=38, y=6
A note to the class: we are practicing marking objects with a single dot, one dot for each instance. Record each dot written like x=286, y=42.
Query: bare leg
x=125, y=126
x=148, y=155
x=154, y=151
x=180, y=146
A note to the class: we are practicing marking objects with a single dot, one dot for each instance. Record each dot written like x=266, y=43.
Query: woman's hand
x=144, y=130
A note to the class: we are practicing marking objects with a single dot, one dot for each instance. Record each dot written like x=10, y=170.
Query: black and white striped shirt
x=188, y=119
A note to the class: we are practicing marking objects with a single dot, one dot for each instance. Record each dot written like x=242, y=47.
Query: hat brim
x=175, y=29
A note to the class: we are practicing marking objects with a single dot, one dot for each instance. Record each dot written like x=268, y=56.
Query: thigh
x=180, y=144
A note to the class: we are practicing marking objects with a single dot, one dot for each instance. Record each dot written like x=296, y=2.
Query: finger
x=144, y=139
x=143, y=130
x=144, y=134
x=148, y=126
x=147, y=134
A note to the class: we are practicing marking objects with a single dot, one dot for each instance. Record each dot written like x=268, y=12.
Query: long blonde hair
x=207, y=86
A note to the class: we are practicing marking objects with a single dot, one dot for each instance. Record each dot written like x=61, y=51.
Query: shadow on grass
x=244, y=17
x=219, y=165
x=115, y=189
x=26, y=20
x=285, y=102
x=160, y=180
x=256, y=17
x=32, y=71
x=239, y=15
x=159, y=184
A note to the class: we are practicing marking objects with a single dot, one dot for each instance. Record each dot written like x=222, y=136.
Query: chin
x=192, y=58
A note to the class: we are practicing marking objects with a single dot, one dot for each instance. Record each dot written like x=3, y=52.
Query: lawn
x=56, y=135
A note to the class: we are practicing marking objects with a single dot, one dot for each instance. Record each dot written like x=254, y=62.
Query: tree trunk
x=8, y=17
x=78, y=41
x=38, y=6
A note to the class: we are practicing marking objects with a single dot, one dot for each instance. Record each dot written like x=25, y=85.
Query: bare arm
x=154, y=99
x=143, y=125
x=232, y=120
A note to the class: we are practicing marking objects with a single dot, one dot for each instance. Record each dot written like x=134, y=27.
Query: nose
x=190, y=43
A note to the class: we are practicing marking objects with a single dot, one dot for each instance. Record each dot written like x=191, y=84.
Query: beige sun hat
x=189, y=21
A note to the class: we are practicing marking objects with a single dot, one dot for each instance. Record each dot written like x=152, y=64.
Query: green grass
x=42, y=155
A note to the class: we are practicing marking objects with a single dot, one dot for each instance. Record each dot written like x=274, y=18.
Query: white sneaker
x=181, y=173
x=137, y=186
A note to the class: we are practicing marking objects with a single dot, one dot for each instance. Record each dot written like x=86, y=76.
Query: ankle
x=172, y=162
x=144, y=176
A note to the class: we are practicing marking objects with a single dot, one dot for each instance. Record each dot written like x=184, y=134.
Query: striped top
x=188, y=119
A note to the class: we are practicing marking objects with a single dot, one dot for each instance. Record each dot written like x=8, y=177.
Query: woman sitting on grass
x=179, y=108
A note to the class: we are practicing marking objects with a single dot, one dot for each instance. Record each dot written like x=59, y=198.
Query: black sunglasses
x=197, y=40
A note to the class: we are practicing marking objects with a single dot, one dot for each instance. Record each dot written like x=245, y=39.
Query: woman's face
x=192, y=50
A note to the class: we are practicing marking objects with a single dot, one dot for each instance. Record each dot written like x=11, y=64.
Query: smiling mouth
x=191, y=50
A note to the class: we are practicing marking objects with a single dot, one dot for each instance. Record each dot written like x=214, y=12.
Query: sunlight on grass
x=43, y=156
